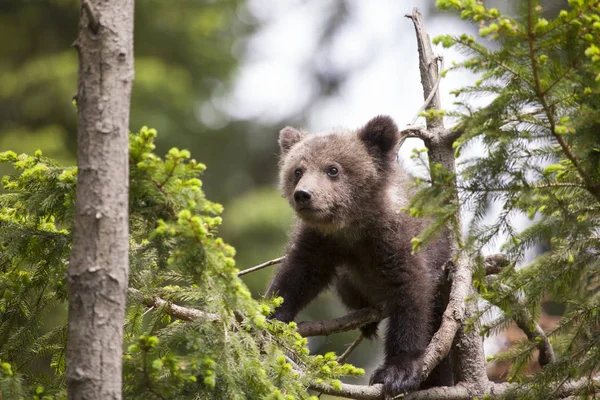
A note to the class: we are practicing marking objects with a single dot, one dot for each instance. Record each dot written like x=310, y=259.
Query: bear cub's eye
x=298, y=172
x=332, y=171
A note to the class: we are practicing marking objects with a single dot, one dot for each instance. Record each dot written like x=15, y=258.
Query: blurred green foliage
x=175, y=253
x=185, y=53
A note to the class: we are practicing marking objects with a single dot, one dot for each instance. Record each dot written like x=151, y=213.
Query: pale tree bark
x=98, y=271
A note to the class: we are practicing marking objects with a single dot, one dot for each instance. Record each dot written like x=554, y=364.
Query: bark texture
x=98, y=271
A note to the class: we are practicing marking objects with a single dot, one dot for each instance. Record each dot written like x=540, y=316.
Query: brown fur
x=351, y=232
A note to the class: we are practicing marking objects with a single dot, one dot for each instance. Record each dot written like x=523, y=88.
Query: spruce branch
x=594, y=189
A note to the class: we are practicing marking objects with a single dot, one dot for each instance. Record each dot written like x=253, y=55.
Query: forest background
x=220, y=78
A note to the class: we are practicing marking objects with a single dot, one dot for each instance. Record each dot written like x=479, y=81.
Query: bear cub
x=347, y=189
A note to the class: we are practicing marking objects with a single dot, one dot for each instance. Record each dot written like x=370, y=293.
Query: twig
x=261, y=266
x=93, y=22
x=342, y=359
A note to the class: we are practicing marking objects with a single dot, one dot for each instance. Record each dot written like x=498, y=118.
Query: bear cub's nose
x=302, y=196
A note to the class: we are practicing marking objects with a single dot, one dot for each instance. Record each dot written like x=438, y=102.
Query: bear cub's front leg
x=405, y=343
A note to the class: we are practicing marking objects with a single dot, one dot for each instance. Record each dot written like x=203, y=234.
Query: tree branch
x=427, y=67
x=529, y=326
x=93, y=22
x=458, y=392
x=179, y=312
x=342, y=359
x=348, y=322
x=261, y=266
x=451, y=319
x=417, y=132
x=433, y=92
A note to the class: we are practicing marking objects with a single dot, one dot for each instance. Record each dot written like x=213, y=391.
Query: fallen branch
x=261, y=266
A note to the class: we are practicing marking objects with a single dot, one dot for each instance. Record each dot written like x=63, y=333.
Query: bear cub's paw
x=369, y=331
x=397, y=379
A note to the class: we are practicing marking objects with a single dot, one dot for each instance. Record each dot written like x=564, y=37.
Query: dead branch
x=348, y=322
x=93, y=23
x=342, y=359
x=451, y=320
x=433, y=92
x=441, y=152
x=179, y=312
x=261, y=266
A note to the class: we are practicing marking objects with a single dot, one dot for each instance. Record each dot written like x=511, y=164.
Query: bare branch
x=469, y=354
x=535, y=332
x=433, y=92
x=452, y=134
x=417, y=132
x=261, y=266
x=93, y=22
x=451, y=319
x=342, y=359
x=179, y=312
x=458, y=392
x=427, y=66
x=348, y=322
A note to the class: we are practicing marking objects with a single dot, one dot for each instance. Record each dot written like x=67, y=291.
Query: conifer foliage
x=540, y=135
x=228, y=349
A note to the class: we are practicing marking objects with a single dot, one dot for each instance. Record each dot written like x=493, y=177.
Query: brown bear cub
x=347, y=189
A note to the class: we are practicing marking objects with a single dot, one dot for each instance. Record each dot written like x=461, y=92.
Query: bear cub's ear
x=380, y=134
x=288, y=137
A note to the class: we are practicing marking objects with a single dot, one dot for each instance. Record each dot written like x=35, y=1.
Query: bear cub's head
x=332, y=178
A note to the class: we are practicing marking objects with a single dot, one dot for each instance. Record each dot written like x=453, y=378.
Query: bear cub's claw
x=396, y=379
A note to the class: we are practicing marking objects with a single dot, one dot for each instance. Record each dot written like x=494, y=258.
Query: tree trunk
x=98, y=271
